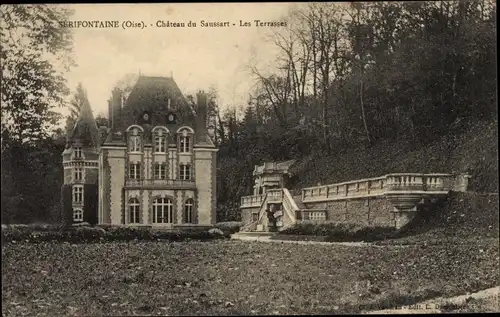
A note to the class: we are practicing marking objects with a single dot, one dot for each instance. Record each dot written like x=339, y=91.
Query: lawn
x=234, y=277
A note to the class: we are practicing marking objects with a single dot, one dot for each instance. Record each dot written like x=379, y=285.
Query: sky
x=197, y=58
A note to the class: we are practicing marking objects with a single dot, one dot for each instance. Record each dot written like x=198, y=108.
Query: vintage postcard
x=249, y=158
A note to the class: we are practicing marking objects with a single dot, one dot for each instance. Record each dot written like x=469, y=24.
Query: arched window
x=188, y=211
x=134, y=210
x=135, y=138
x=77, y=215
x=185, y=139
x=160, y=139
x=162, y=210
x=184, y=144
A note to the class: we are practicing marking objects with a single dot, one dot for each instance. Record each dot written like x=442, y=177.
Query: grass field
x=233, y=277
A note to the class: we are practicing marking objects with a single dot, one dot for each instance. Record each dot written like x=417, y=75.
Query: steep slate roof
x=85, y=128
x=151, y=94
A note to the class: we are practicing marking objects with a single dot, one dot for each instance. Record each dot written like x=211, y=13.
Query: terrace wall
x=373, y=211
x=246, y=214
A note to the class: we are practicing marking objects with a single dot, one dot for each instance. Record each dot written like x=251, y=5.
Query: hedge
x=340, y=232
x=86, y=234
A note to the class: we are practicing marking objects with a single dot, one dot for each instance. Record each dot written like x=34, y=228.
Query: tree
x=32, y=42
x=79, y=99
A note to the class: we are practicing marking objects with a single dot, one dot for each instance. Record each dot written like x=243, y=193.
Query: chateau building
x=154, y=165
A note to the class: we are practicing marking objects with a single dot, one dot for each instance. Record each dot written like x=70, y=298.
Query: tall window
x=185, y=172
x=160, y=171
x=78, y=194
x=77, y=214
x=160, y=144
x=78, y=174
x=188, y=211
x=78, y=152
x=134, y=210
x=184, y=144
x=135, y=143
x=134, y=171
x=162, y=211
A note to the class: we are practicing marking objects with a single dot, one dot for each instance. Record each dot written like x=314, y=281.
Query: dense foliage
x=351, y=77
x=35, y=52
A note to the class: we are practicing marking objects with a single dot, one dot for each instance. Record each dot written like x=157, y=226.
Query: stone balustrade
x=432, y=184
x=275, y=195
x=403, y=190
x=311, y=215
x=252, y=201
x=160, y=183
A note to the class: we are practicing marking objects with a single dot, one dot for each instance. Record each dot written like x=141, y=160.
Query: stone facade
x=156, y=164
x=81, y=169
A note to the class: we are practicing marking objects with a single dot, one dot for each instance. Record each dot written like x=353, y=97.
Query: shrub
x=88, y=234
x=229, y=227
x=340, y=232
x=15, y=233
x=216, y=232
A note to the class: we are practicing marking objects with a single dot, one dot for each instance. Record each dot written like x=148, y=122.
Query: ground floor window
x=188, y=211
x=134, y=210
x=77, y=215
x=162, y=210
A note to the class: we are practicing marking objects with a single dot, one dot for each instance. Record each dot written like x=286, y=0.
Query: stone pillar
x=462, y=182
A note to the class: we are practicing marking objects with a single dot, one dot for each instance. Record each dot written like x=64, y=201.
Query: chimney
x=116, y=107
x=201, y=115
x=110, y=114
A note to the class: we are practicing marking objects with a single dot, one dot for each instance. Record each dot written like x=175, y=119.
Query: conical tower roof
x=85, y=128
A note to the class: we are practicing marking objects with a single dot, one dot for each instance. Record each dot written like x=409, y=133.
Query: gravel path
x=264, y=238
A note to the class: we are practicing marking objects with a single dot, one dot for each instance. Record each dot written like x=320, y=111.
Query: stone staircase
x=292, y=206
x=298, y=201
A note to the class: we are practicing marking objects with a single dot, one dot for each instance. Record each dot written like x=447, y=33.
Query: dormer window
x=185, y=135
x=160, y=139
x=184, y=144
x=135, y=139
x=159, y=144
x=78, y=152
x=135, y=143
